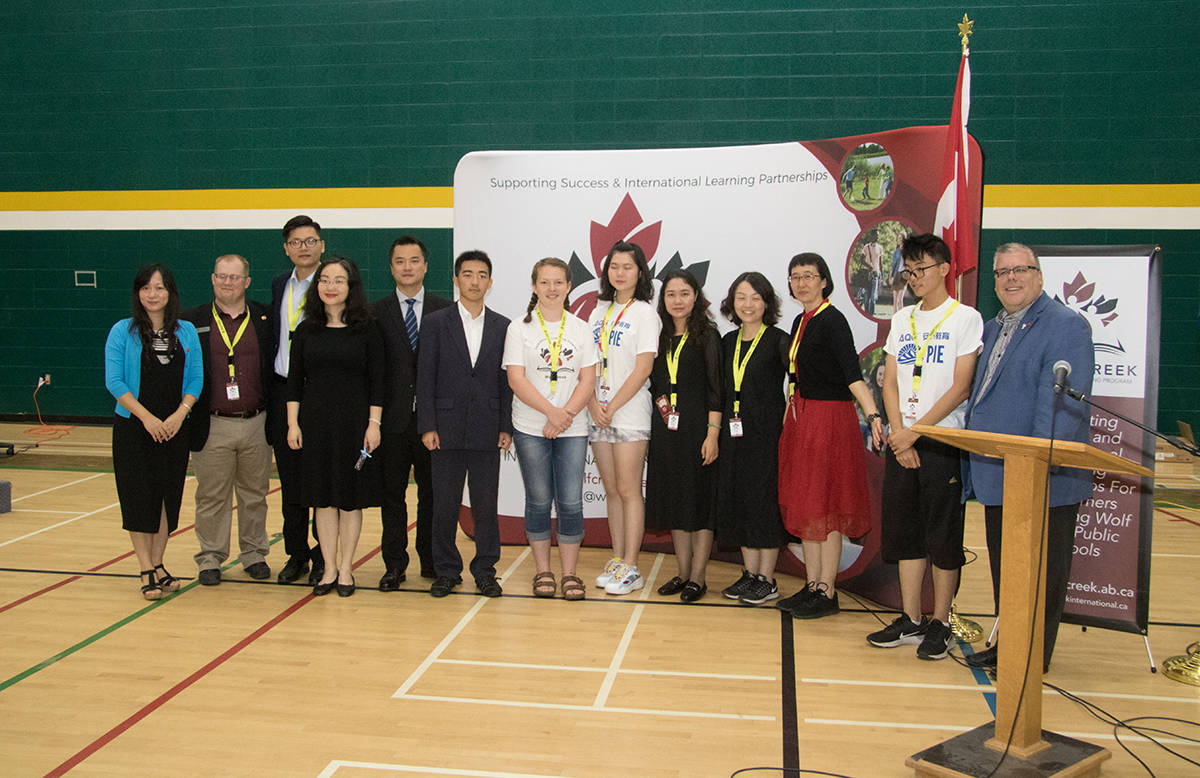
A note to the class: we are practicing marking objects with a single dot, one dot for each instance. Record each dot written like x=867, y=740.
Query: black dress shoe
x=210, y=577
x=296, y=566
x=258, y=571
x=488, y=586
x=391, y=580
x=322, y=589
x=674, y=586
x=444, y=585
x=985, y=659
x=318, y=571
x=345, y=590
x=693, y=591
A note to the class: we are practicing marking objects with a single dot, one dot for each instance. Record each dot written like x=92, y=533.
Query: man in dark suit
x=1013, y=393
x=228, y=430
x=400, y=315
x=303, y=244
x=464, y=415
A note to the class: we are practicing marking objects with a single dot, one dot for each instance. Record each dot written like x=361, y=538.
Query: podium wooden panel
x=1018, y=724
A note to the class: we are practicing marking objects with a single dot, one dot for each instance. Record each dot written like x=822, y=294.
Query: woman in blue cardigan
x=152, y=365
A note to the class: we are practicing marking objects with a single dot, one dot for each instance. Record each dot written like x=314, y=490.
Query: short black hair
x=759, y=283
x=408, y=240
x=472, y=255
x=915, y=246
x=296, y=222
x=809, y=259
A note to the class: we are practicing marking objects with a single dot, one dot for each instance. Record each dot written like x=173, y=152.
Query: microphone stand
x=1178, y=443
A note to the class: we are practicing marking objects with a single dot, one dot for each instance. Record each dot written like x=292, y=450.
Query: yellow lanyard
x=739, y=366
x=225, y=335
x=673, y=366
x=293, y=312
x=795, y=348
x=919, y=361
x=555, y=346
x=605, y=331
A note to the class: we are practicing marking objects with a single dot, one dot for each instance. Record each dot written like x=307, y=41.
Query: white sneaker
x=630, y=580
x=610, y=572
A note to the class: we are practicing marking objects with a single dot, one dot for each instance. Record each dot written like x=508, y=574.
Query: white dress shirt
x=473, y=328
x=418, y=306
x=298, y=288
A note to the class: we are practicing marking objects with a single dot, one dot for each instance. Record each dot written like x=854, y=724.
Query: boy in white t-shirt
x=931, y=351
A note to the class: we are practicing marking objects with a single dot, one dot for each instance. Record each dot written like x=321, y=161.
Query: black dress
x=748, y=467
x=336, y=374
x=150, y=475
x=680, y=491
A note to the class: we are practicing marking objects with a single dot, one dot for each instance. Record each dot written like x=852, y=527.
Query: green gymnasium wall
x=134, y=95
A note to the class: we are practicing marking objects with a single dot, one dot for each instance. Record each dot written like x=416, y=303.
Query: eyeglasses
x=804, y=277
x=306, y=242
x=916, y=272
x=1020, y=271
x=332, y=282
x=232, y=278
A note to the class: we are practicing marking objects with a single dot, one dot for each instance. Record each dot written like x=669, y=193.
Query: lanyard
x=605, y=331
x=739, y=366
x=225, y=335
x=673, y=366
x=795, y=348
x=919, y=361
x=555, y=347
x=293, y=312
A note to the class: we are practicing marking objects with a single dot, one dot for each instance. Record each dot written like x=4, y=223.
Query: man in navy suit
x=400, y=316
x=228, y=432
x=303, y=244
x=1013, y=393
x=464, y=415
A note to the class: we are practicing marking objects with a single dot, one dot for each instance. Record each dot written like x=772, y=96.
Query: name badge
x=606, y=393
x=910, y=410
x=231, y=391
x=672, y=420
x=735, y=427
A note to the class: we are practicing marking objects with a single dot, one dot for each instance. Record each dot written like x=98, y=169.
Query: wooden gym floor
x=253, y=678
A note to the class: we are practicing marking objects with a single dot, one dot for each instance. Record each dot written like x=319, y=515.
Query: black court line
x=787, y=675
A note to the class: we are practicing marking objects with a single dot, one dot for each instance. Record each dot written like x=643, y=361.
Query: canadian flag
x=952, y=220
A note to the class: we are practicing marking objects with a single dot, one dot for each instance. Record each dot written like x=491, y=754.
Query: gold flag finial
x=964, y=32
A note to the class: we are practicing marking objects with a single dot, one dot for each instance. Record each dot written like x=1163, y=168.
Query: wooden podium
x=1032, y=751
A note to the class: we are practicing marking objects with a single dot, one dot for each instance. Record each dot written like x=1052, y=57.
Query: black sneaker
x=488, y=586
x=759, y=590
x=936, y=644
x=736, y=589
x=902, y=631
x=819, y=606
x=797, y=601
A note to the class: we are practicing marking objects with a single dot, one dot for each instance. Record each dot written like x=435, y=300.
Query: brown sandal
x=573, y=588
x=544, y=585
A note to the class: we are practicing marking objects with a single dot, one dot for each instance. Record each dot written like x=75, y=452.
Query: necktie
x=410, y=322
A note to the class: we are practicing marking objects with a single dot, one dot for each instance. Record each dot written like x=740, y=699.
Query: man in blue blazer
x=1013, y=393
x=464, y=415
x=400, y=316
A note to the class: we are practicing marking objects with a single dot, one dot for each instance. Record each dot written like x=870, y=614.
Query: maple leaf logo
x=626, y=224
x=1079, y=295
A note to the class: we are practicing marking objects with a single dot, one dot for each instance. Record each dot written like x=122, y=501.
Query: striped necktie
x=410, y=322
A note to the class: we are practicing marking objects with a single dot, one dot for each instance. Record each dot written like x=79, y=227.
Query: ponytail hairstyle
x=537, y=266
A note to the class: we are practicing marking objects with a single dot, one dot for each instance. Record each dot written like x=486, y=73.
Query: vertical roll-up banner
x=1118, y=290
x=717, y=212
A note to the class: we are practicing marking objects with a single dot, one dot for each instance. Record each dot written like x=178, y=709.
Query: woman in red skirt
x=822, y=464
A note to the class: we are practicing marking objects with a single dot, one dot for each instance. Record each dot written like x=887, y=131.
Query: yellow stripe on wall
x=1091, y=196
x=230, y=199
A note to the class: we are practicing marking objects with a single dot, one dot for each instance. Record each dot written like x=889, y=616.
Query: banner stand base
x=969, y=755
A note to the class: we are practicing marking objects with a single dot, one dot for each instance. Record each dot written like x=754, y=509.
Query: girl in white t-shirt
x=625, y=327
x=551, y=360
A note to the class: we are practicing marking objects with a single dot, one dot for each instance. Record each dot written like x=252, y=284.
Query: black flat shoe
x=322, y=589
x=984, y=660
x=693, y=591
x=674, y=586
x=345, y=590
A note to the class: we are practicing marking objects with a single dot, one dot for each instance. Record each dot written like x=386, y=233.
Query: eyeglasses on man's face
x=306, y=242
x=230, y=278
x=1020, y=271
x=909, y=274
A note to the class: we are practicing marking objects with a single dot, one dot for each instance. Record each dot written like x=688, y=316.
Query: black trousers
x=450, y=469
x=1060, y=547
x=295, y=513
x=400, y=453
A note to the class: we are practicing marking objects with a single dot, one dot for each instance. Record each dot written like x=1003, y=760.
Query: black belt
x=238, y=415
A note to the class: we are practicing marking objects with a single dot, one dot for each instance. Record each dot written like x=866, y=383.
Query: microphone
x=1062, y=369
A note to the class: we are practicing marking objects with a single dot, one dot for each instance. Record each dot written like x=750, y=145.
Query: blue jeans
x=552, y=470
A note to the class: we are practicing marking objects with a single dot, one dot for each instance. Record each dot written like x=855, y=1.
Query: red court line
x=166, y=696
x=1177, y=516
x=101, y=566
